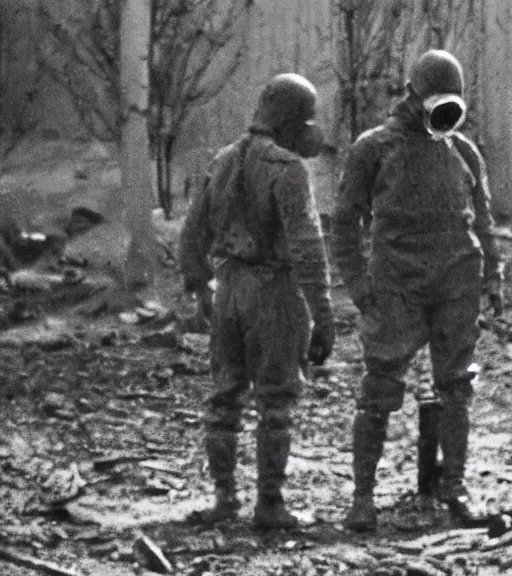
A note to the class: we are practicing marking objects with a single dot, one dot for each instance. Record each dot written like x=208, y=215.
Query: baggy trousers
x=394, y=327
x=261, y=330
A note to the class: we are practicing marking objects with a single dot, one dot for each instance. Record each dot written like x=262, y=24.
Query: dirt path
x=107, y=396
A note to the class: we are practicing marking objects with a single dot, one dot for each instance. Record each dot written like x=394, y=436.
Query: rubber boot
x=429, y=467
x=273, y=448
x=221, y=446
x=369, y=437
x=453, y=435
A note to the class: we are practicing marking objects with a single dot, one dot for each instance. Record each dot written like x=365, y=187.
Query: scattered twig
x=111, y=460
x=142, y=394
x=161, y=466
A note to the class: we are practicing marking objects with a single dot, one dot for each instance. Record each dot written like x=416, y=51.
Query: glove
x=496, y=303
x=322, y=339
x=205, y=297
x=193, y=286
x=495, y=296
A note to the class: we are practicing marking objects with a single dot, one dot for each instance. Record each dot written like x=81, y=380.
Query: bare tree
x=197, y=46
x=140, y=259
x=80, y=50
x=16, y=122
x=363, y=36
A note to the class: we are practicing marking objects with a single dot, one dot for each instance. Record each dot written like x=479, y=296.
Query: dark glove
x=206, y=302
x=193, y=286
x=322, y=340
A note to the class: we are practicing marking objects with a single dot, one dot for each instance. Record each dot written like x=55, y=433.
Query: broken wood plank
x=35, y=563
x=150, y=555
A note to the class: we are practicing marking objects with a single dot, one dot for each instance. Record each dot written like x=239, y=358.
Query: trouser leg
x=368, y=444
x=277, y=347
x=381, y=394
x=454, y=428
x=223, y=412
x=453, y=340
x=393, y=329
x=273, y=448
x=453, y=434
x=221, y=446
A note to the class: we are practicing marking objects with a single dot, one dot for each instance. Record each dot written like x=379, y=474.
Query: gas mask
x=305, y=139
x=310, y=140
x=443, y=114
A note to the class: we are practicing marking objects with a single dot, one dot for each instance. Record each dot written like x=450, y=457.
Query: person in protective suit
x=423, y=187
x=255, y=229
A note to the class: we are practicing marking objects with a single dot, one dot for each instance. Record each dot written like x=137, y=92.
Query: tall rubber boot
x=453, y=436
x=221, y=446
x=273, y=448
x=369, y=436
x=429, y=468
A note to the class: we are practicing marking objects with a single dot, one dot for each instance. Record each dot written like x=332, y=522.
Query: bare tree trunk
x=140, y=260
x=159, y=167
x=353, y=72
x=167, y=192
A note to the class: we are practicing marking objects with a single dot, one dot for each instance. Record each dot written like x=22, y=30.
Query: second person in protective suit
x=254, y=227
x=424, y=187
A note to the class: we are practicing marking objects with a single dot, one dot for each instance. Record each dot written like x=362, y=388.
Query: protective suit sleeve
x=301, y=222
x=484, y=222
x=353, y=207
x=195, y=242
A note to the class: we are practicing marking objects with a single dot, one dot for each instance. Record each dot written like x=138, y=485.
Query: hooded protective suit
x=431, y=233
x=254, y=227
x=432, y=251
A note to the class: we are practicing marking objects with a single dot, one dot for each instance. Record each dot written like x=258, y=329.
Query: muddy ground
x=100, y=442
x=127, y=417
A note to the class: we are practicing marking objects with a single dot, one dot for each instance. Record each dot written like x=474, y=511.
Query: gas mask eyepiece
x=444, y=114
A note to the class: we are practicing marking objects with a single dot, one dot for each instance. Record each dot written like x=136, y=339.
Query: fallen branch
x=111, y=460
x=494, y=543
x=143, y=394
x=161, y=466
x=34, y=563
x=440, y=538
x=447, y=550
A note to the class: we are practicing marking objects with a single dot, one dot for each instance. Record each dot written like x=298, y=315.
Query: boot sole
x=468, y=520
